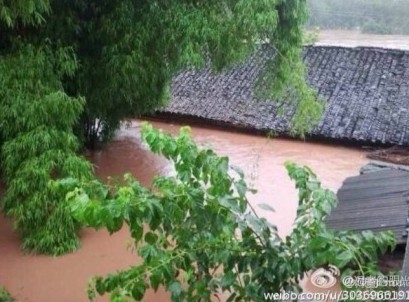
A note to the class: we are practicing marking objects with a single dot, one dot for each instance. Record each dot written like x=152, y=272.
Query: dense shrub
x=36, y=118
x=198, y=235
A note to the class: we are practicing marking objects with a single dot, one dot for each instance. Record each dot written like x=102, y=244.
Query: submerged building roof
x=366, y=92
x=375, y=201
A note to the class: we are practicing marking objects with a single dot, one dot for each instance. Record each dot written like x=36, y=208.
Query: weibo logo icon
x=325, y=277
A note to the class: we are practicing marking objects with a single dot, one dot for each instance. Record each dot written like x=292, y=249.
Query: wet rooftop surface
x=365, y=90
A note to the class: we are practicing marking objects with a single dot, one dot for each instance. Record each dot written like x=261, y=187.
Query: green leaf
x=138, y=291
x=155, y=280
x=137, y=232
x=238, y=170
x=344, y=258
x=151, y=238
x=175, y=289
x=100, y=286
x=114, y=225
x=228, y=280
x=148, y=252
x=230, y=203
x=266, y=207
x=241, y=187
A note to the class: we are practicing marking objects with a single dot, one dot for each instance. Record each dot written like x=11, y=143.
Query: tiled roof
x=366, y=92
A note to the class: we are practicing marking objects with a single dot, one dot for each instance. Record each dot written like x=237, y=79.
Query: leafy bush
x=310, y=37
x=198, y=235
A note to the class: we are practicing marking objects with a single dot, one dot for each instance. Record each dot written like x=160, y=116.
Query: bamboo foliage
x=37, y=117
x=71, y=70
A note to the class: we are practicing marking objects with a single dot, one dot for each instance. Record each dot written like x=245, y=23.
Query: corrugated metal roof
x=376, y=201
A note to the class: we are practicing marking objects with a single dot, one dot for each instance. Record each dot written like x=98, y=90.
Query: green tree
x=37, y=117
x=198, y=235
x=128, y=50
x=84, y=65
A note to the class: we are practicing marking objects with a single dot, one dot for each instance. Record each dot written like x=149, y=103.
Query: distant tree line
x=369, y=16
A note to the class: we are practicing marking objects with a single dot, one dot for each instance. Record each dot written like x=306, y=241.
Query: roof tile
x=366, y=92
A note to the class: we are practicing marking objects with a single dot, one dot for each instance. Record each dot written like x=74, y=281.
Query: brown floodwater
x=354, y=38
x=63, y=279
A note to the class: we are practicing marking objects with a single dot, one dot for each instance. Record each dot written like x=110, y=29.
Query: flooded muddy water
x=64, y=279
x=354, y=38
